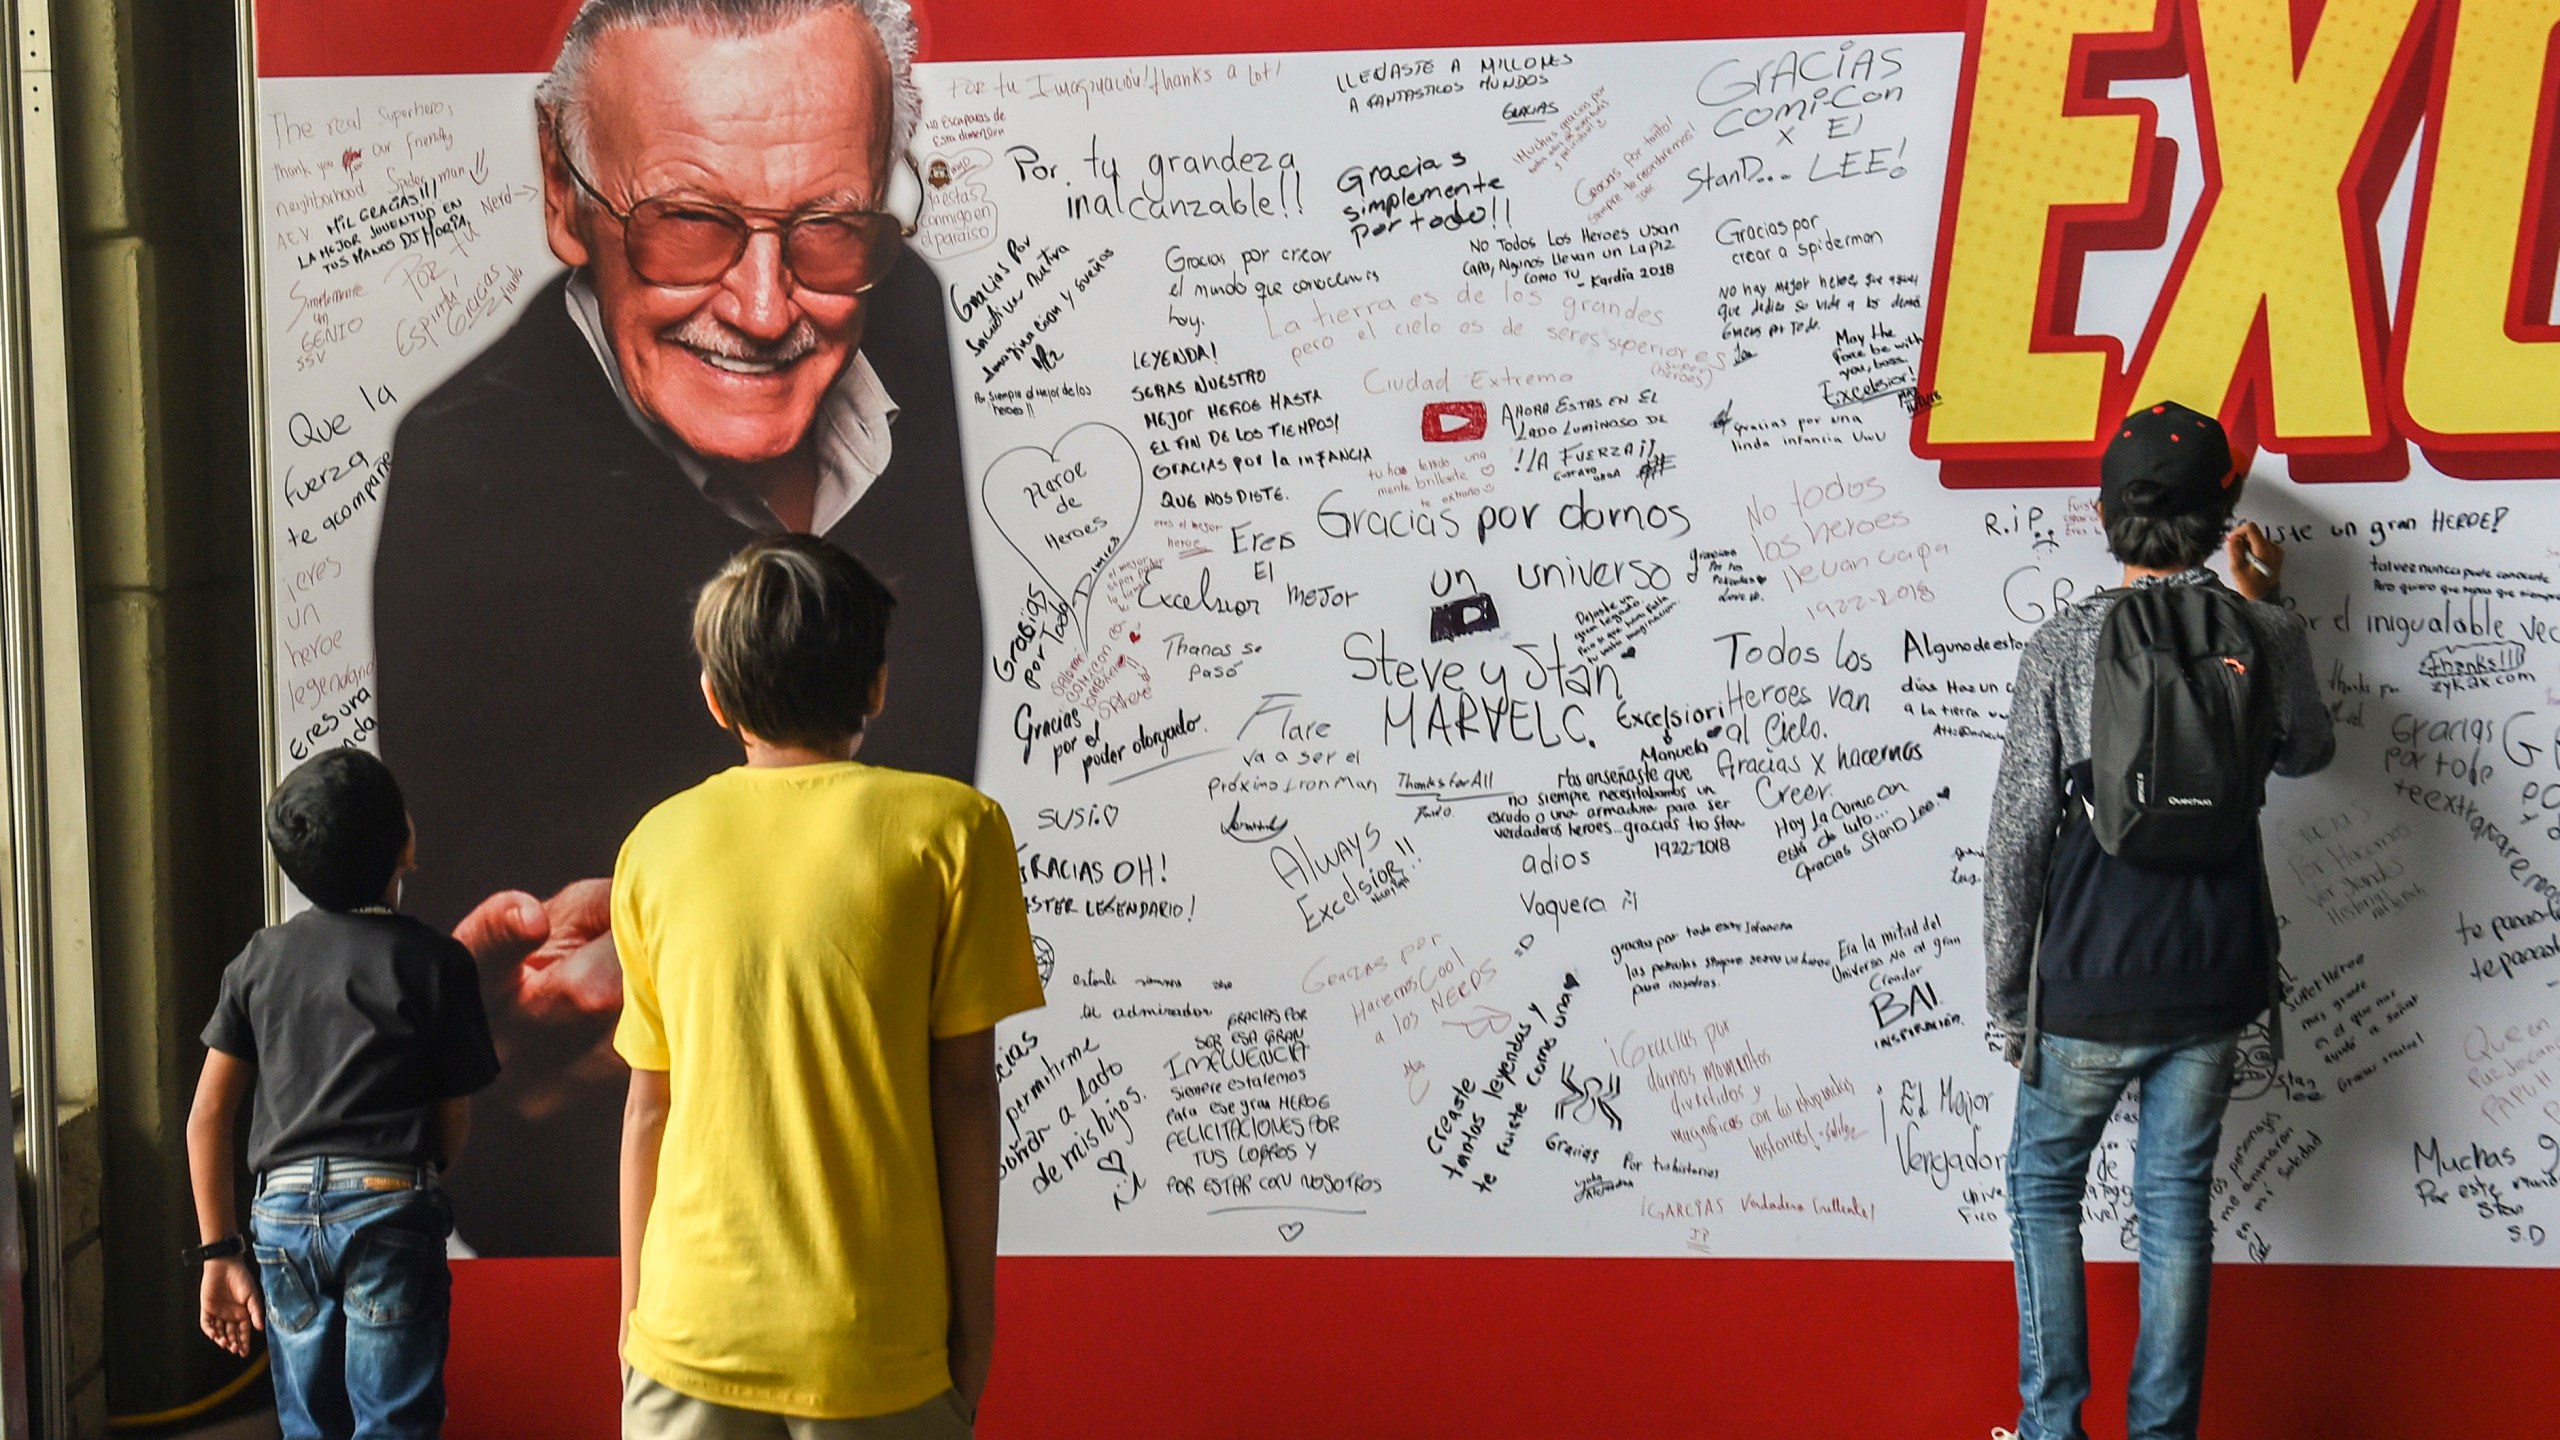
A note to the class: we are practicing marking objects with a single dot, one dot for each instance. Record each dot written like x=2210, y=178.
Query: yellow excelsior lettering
x=2464, y=371
x=2022, y=157
x=2275, y=234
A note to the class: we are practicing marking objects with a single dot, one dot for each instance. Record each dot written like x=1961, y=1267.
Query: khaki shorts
x=651, y=1411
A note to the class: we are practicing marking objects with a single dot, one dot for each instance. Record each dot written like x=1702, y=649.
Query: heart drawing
x=1290, y=1230
x=1068, y=509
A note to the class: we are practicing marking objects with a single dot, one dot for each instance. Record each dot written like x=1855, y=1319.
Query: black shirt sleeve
x=229, y=1031
x=466, y=1059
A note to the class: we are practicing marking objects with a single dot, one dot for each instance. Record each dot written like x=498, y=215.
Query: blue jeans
x=2185, y=1086
x=357, y=1298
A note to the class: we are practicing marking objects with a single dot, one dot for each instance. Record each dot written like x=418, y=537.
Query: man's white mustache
x=709, y=337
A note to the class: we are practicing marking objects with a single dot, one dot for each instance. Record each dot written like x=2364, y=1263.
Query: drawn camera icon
x=1466, y=615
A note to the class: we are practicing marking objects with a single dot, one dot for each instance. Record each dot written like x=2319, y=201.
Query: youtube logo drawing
x=1453, y=420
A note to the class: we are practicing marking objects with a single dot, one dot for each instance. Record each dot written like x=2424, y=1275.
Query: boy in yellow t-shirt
x=814, y=954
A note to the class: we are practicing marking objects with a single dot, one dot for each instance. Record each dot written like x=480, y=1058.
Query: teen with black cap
x=2127, y=931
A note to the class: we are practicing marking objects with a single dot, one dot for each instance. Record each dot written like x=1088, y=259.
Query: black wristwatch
x=222, y=1249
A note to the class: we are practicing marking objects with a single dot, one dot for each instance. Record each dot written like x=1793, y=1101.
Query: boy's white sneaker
x=2000, y=1434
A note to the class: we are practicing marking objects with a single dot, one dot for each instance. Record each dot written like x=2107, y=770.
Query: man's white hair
x=560, y=97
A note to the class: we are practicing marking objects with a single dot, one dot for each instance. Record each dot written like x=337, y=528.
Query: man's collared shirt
x=850, y=434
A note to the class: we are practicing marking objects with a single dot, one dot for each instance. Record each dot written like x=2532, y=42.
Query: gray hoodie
x=2049, y=733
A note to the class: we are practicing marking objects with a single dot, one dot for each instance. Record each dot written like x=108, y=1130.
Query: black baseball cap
x=2166, y=460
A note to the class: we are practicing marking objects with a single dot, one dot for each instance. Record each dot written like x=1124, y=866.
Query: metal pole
x=22, y=738
x=43, y=739
x=253, y=236
x=13, y=1268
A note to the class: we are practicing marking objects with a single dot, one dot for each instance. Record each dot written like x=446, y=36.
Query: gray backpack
x=2181, y=726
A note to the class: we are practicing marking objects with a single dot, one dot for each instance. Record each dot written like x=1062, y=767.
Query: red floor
x=1481, y=1349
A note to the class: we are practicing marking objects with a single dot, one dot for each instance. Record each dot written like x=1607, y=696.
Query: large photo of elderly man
x=739, y=344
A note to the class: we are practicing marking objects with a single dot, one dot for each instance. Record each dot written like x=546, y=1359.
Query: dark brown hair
x=792, y=632
x=337, y=825
x=2169, y=542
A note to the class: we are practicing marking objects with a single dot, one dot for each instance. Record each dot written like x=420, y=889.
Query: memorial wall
x=1497, y=576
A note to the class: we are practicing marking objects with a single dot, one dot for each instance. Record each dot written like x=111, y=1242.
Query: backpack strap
x=2031, y=1053
x=2075, y=791
x=2275, y=970
x=2079, y=796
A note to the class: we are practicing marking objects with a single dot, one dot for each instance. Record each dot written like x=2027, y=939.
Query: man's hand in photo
x=554, y=987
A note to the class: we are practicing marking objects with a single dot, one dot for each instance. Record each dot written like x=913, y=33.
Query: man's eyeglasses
x=681, y=242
